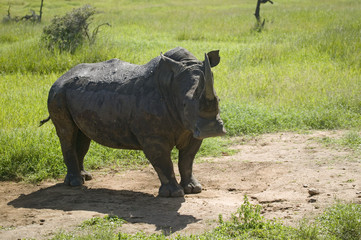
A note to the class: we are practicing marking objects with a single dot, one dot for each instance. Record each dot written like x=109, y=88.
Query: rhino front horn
x=209, y=90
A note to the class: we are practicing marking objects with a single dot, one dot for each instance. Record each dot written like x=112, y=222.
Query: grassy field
x=303, y=71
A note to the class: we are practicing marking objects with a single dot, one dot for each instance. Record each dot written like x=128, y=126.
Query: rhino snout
x=206, y=128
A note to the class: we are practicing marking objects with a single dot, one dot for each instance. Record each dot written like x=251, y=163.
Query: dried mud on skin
x=291, y=175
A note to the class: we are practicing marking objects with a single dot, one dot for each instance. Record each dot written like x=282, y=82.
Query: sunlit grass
x=302, y=71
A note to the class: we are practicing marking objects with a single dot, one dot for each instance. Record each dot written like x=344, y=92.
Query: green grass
x=29, y=154
x=350, y=139
x=340, y=221
x=303, y=71
x=94, y=228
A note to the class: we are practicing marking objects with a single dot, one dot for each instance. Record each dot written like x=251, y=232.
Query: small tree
x=33, y=17
x=69, y=32
x=260, y=23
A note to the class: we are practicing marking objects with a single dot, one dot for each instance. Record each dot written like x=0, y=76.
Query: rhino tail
x=44, y=121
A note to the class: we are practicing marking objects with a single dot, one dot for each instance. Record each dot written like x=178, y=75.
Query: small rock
x=305, y=185
x=312, y=200
x=313, y=191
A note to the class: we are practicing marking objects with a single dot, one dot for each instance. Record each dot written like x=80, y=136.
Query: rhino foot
x=192, y=186
x=171, y=190
x=86, y=175
x=73, y=180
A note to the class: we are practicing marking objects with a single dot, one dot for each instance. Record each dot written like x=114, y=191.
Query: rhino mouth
x=206, y=128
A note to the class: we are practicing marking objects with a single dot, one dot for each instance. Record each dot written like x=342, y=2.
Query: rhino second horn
x=209, y=90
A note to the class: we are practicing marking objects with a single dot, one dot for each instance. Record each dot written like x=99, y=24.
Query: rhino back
x=111, y=101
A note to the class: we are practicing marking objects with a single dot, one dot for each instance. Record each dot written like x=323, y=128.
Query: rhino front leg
x=185, y=164
x=158, y=153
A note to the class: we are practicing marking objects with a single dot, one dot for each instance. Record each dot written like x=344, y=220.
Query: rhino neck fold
x=164, y=81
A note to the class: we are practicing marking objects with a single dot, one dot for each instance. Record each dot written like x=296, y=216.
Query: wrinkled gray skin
x=167, y=102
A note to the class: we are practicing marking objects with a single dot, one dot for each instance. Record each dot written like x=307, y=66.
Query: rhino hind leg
x=185, y=164
x=68, y=134
x=82, y=147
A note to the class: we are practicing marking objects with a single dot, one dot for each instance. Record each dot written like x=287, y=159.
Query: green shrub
x=341, y=221
x=67, y=33
x=247, y=223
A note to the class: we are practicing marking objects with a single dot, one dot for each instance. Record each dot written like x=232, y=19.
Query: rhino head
x=193, y=92
x=209, y=123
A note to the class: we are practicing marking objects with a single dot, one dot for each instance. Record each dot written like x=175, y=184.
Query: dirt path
x=274, y=170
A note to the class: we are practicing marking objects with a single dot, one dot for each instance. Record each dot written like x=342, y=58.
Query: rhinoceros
x=168, y=102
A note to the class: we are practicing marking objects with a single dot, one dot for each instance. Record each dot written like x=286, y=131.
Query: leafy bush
x=248, y=223
x=69, y=32
x=341, y=221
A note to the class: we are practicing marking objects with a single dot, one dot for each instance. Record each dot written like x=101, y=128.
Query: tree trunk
x=256, y=14
x=41, y=10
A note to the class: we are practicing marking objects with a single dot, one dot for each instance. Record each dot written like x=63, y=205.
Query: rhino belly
x=104, y=117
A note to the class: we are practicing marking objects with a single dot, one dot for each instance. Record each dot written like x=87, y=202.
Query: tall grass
x=301, y=72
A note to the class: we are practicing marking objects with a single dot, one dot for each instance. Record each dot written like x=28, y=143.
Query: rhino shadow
x=132, y=206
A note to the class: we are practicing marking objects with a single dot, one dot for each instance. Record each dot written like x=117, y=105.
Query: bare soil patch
x=274, y=170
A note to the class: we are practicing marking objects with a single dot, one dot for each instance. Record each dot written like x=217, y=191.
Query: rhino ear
x=176, y=67
x=214, y=58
